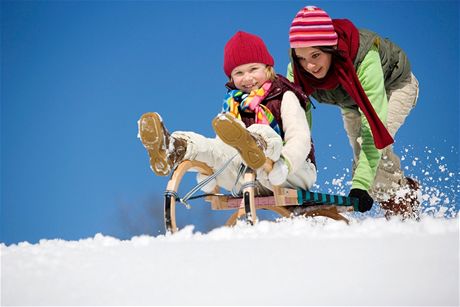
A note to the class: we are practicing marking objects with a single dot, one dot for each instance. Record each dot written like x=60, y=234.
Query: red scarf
x=342, y=72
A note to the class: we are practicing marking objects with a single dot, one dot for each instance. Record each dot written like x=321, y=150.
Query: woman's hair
x=329, y=49
x=333, y=50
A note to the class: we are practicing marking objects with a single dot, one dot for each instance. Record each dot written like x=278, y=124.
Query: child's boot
x=156, y=139
x=404, y=202
x=250, y=146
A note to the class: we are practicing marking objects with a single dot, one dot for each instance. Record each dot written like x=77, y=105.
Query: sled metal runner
x=304, y=203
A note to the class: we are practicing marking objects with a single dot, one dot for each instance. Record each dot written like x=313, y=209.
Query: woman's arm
x=370, y=74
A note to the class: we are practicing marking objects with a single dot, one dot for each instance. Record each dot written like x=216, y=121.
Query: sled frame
x=247, y=205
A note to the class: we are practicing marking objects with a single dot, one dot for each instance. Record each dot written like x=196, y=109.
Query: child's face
x=249, y=77
x=314, y=61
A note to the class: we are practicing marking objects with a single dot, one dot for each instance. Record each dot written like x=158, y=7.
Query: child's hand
x=279, y=173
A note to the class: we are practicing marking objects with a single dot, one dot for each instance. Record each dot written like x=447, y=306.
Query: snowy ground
x=372, y=261
x=293, y=262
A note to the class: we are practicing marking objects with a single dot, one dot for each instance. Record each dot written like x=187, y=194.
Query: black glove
x=365, y=200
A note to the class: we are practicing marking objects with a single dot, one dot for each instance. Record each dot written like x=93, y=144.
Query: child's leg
x=255, y=144
x=272, y=142
x=215, y=154
x=155, y=139
x=303, y=178
x=167, y=150
x=233, y=133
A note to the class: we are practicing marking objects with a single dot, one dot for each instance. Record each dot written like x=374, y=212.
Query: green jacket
x=379, y=65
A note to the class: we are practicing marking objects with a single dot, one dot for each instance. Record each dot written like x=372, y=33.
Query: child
x=262, y=118
x=370, y=79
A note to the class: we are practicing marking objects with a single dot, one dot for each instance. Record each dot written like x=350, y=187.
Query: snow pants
x=216, y=153
x=401, y=100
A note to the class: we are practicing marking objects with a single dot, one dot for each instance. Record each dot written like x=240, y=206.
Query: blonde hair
x=270, y=72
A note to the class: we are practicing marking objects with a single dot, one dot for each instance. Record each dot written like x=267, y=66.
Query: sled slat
x=285, y=197
x=232, y=203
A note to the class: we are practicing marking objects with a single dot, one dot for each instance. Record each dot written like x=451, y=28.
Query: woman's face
x=314, y=61
x=249, y=77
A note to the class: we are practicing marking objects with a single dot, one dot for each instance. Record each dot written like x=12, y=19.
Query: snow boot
x=250, y=145
x=404, y=203
x=156, y=139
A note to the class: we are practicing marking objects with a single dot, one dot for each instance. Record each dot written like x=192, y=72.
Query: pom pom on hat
x=312, y=27
x=245, y=48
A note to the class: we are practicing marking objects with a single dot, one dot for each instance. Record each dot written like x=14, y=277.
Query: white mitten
x=208, y=188
x=279, y=173
x=261, y=174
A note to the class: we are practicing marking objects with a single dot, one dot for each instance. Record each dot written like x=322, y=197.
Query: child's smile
x=249, y=77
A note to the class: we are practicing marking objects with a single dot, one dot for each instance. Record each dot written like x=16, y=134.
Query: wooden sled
x=311, y=203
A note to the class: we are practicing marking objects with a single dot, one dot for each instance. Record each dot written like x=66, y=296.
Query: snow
x=299, y=261
x=440, y=186
x=371, y=261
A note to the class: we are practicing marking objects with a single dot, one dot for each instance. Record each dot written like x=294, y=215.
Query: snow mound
x=293, y=262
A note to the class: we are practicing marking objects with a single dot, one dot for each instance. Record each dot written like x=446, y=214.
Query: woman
x=370, y=79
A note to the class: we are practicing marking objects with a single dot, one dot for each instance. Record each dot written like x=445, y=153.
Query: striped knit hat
x=245, y=48
x=312, y=27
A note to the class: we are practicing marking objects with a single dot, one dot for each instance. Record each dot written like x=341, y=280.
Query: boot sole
x=152, y=137
x=235, y=135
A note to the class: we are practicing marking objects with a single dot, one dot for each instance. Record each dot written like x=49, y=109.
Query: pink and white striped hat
x=312, y=27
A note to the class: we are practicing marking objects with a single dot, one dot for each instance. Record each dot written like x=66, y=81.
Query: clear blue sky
x=77, y=75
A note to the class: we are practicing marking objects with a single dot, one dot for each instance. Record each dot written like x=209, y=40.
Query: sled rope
x=195, y=189
x=241, y=171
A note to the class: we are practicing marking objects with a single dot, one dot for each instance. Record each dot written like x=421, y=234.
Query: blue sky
x=77, y=75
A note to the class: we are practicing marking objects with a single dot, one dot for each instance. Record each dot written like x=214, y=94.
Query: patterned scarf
x=236, y=101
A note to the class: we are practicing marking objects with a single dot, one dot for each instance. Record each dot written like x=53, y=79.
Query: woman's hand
x=365, y=200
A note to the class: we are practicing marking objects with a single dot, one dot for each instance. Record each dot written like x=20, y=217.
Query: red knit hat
x=245, y=48
x=312, y=27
